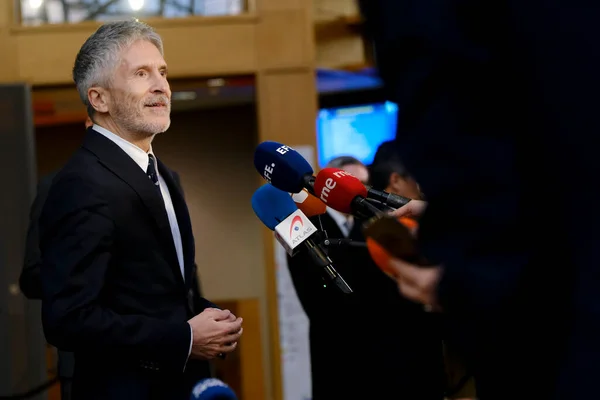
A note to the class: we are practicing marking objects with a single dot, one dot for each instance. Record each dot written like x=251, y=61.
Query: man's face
x=140, y=100
x=359, y=171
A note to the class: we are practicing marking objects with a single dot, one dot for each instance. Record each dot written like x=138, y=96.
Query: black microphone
x=388, y=199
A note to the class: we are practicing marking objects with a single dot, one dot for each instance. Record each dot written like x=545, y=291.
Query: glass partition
x=39, y=12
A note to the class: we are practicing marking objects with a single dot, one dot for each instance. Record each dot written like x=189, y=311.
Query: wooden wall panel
x=287, y=107
x=8, y=68
x=276, y=44
x=211, y=46
x=281, y=40
x=243, y=369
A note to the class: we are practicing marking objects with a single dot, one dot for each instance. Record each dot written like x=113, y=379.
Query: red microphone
x=343, y=192
x=309, y=204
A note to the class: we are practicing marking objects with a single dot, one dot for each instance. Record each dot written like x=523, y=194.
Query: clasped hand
x=214, y=332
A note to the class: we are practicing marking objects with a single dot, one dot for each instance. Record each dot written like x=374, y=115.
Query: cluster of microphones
x=293, y=194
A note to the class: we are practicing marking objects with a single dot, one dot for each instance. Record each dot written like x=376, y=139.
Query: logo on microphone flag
x=296, y=225
x=294, y=230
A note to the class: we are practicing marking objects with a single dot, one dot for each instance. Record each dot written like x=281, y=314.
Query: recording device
x=278, y=212
x=212, y=389
x=343, y=192
x=283, y=167
x=387, y=237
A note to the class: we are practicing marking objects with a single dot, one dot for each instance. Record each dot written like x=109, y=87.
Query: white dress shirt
x=343, y=221
x=141, y=158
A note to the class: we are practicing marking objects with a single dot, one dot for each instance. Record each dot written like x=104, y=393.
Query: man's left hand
x=230, y=317
x=417, y=283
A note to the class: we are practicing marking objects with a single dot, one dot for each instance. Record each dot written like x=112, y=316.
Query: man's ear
x=395, y=179
x=99, y=99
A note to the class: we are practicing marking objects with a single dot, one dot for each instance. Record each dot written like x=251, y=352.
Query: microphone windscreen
x=282, y=166
x=338, y=188
x=309, y=204
x=272, y=205
x=380, y=256
x=394, y=235
x=212, y=389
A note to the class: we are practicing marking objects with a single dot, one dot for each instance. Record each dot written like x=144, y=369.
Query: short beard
x=131, y=118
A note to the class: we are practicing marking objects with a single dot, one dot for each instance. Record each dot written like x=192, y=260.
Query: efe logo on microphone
x=283, y=149
x=268, y=171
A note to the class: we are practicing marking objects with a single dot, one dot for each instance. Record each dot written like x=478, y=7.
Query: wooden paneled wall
x=274, y=42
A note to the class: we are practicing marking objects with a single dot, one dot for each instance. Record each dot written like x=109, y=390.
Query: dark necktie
x=151, y=171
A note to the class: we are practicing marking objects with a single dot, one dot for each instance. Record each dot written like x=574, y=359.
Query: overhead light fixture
x=35, y=4
x=136, y=5
x=215, y=82
x=183, y=96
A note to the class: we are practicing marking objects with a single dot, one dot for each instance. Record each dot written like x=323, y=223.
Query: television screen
x=355, y=131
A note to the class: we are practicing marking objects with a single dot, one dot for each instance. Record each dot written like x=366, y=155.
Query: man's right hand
x=413, y=208
x=214, y=332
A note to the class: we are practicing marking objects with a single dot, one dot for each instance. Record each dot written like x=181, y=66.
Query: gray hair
x=341, y=161
x=99, y=55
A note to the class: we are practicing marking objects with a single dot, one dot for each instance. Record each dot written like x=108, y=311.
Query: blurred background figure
x=388, y=173
x=358, y=341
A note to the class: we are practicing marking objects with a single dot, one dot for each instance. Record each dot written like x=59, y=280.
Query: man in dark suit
x=493, y=96
x=30, y=280
x=116, y=237
x=358, y=341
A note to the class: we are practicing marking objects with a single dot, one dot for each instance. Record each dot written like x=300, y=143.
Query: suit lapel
x=356, y=233
x=332, y=228
x=183, y=220
x=119, y=162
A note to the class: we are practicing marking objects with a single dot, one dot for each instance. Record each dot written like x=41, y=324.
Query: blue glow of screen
x=355, y=131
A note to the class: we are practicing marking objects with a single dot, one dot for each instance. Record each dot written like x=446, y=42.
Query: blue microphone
x=283, y=167
x=278, y=212
x=272, y=205
x=212, y=389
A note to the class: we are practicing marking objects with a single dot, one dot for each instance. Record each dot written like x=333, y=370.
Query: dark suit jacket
x=30, y=280
x=112, y=288
x=498, y=100
x=371, y=343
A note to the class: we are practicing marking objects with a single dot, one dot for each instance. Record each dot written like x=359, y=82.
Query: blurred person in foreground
x=388, y=173
x=492, y=95
x=358, y=340
x=118, y=262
